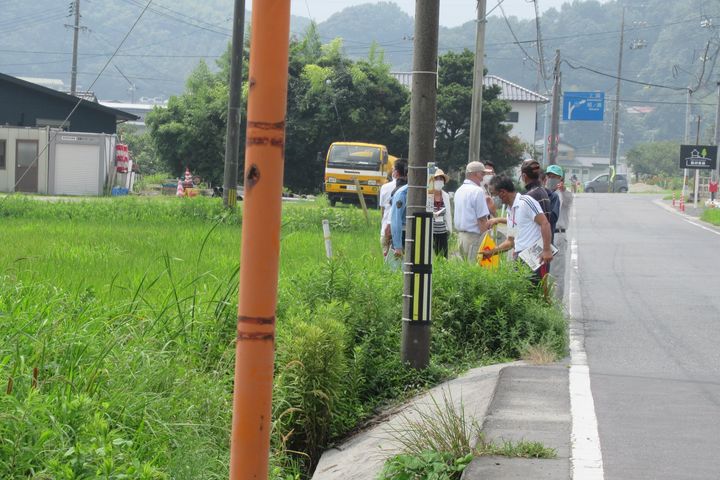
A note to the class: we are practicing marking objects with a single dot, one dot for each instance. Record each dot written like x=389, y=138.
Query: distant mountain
x=681, y=47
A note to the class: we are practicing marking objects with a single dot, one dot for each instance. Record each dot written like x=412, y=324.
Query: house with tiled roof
x=524, y=103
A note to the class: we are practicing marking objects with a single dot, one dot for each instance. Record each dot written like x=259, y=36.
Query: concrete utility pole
x=478, y=74
x=717, y=129
x=686, y=137
x=232, y=138
x=697, y=170
x=76, y=30
x=616, y=113
x=417, y=286
x=554, y=142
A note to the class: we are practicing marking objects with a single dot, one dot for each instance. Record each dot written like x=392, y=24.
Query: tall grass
x=117, y=323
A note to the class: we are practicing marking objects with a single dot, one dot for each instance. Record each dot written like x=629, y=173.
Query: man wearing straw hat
x=471, y=211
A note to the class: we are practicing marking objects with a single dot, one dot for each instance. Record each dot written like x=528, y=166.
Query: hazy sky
x=452, y=12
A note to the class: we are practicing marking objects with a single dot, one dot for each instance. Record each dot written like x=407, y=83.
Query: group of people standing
x=537, y=216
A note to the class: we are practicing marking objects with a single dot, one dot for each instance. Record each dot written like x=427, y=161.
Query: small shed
x=24, y=159
x=26, y=104
x=80, y=163
x=54, y=162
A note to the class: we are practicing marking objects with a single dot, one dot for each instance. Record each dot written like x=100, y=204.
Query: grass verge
x=117, y=325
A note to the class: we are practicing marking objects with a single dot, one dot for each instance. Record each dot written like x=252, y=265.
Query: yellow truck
x=369, y=163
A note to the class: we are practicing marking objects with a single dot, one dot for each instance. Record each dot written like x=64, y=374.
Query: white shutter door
x=77, y=169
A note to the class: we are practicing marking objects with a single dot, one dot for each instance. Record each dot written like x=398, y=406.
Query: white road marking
x=686, y=217
x=586, y=456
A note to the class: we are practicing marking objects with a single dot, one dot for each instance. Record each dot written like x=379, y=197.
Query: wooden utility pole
x=76, y=30
x=616, y=113
x=478, y=74
x=417, y=267
x=259, y=263
x=554, y=142
x=232, y=139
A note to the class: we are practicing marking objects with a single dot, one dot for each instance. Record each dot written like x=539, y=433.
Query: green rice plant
x=120, y=314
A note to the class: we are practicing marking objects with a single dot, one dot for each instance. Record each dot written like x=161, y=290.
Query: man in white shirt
x=526, y=222
x=471, y=211
x=384, y=204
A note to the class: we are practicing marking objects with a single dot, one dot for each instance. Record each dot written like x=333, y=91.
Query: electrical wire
x=507, y=22
x=582, y=67
x=80, y=100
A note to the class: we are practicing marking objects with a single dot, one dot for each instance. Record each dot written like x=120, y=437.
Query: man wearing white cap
x=471, y=211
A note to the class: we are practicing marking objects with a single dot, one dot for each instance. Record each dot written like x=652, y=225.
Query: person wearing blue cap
x=556, y=183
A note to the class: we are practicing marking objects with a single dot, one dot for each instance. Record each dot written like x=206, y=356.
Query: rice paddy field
x=117, y=323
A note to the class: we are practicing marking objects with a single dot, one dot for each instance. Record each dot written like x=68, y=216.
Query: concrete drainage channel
x=513, y=401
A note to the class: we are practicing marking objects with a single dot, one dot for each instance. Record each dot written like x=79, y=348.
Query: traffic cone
x=682, y=203
x=673, y=199
x=180, y=190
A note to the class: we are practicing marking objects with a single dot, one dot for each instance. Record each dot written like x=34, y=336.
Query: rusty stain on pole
x=259, y=258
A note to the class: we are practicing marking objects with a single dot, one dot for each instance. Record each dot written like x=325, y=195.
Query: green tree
x=453, y=118
x=332, y=98
x=658, y=158
x=142, y=149
x=190, y=132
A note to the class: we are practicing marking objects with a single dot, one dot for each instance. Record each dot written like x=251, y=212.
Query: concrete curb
x=362, y=456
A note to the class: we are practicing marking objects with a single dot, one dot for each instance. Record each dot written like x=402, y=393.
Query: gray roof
x=512, y=92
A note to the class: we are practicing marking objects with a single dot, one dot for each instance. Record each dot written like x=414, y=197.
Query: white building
x=523, y=116
x=524, y=103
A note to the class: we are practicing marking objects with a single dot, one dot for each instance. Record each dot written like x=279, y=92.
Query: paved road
x=650, y=292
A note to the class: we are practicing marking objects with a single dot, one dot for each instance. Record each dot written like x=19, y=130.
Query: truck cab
x=368, y=163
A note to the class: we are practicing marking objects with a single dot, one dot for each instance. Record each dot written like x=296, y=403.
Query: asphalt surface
x=649, y=282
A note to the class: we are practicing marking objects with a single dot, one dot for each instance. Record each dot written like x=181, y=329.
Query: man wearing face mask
x=442, y=215
x=556, y=182
x=471, y=211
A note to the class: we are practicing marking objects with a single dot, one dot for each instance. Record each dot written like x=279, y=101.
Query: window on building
x=512, y=117
x=2, y=154
x=27, y=153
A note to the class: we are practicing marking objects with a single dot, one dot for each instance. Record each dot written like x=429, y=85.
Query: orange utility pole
x=259, y=258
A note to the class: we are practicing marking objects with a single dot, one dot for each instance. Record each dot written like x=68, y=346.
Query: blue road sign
x=588, y=106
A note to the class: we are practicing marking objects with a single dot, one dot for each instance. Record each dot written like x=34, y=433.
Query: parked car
x=600, y=184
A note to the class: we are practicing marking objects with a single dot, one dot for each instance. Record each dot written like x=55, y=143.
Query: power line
x=80, y=100
x=507, y=22
x=182, y=20
x=581, y=67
